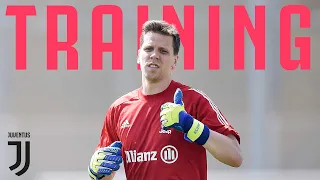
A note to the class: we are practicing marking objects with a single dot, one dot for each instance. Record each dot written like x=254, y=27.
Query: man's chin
x=152, y=79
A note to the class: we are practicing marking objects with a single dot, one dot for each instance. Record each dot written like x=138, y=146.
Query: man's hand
x=105, y=161
x=223, y=148
x=173, y=115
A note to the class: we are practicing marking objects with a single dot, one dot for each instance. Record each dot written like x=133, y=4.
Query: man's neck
x=149, y=88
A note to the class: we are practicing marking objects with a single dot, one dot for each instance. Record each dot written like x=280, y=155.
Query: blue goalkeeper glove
x=105, y=160
x=173, y=115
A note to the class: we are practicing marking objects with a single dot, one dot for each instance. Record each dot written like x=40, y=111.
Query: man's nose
x=154, y=55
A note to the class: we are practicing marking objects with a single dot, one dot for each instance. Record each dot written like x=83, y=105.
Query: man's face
x=156, y=56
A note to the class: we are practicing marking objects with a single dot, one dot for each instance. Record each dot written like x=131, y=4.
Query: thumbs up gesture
x=177, y=98
x=173, y=115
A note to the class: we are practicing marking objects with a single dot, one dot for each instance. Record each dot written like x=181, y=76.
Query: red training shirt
x=148, y=152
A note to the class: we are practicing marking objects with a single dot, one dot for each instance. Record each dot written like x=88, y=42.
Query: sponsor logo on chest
x=134, y=156
x=168, y=154
x=165, y=131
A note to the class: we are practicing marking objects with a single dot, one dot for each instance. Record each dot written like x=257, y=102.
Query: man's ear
x=138, y=59
x=175, y=62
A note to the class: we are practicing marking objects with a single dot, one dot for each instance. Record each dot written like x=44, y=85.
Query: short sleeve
x=209, y=114
x=108, y=134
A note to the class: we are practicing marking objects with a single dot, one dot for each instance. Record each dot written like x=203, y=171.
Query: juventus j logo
x=18, y=162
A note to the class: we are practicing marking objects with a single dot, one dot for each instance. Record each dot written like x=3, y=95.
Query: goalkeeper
x=163, y=129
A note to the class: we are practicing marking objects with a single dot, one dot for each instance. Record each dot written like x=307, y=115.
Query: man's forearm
x=225, y=149
x=109, y=177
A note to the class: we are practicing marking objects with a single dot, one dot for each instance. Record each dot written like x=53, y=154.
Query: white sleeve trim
x=220, y=117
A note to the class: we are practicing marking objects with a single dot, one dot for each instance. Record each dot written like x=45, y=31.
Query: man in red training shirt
x=163, y=129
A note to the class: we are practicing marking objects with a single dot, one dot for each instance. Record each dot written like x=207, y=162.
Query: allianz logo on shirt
x=168, y=154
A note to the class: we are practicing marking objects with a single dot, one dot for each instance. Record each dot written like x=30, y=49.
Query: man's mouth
x=152, y=65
